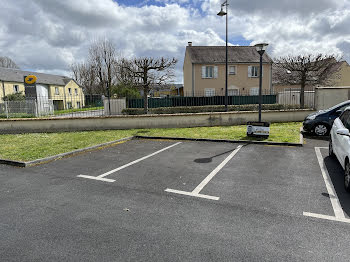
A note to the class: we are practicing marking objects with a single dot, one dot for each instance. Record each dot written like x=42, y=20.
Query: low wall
x=14, y=126
x=326, y=97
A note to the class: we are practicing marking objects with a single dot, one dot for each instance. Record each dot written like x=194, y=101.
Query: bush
x=203, y=109
x=15, y=97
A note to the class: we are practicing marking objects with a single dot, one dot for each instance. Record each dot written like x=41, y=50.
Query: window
x=232, y=70
x=70, y=91
x=69, y=105
x=345, y=118
x=209, y=92
x=254, y=91
x=233, y=92
x=253, y=71
x=57, y=91
x=15, y=88
x=209, y=72
x=76, y=91
x=78, y=104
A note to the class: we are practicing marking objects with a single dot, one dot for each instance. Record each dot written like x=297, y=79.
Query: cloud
x=48, y=35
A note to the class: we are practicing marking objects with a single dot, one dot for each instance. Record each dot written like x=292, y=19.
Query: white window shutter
x=263, y=71
x=249, y=71
x=203, y=72
x=215, y=72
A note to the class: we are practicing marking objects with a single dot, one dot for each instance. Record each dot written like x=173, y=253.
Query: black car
x=320, y=123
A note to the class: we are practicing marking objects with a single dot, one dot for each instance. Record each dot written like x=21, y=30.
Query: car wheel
x=321, y=130
x=347, y=177
x=330, y=148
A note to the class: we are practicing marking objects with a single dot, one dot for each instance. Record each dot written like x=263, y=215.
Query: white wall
x=326, y=97
x=44, y=105
x=146, y=121
x=117, y=106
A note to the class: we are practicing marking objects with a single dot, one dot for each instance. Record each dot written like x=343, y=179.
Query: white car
x=339, y=144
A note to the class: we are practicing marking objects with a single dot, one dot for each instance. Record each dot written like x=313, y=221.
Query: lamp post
x=261, y=48
x=223, y=13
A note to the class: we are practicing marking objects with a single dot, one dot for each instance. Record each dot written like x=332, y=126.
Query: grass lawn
x=28, y=147
x=67, y=111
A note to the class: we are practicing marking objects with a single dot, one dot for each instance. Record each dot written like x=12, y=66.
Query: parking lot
x=160, y=200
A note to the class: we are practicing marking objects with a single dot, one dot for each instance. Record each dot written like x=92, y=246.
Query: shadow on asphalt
x=336, y=174
x=210, y=159
x=310, y=136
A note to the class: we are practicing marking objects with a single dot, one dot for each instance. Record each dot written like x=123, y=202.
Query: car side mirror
x=343, y=132
x=338, y=112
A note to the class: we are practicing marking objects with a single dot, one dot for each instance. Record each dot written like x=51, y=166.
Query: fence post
x=6, y=109
x=36, y=108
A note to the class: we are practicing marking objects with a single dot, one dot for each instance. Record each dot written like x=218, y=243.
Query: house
x=339, y=77
x=63, y=91
x=204, y=71
x=168, y=90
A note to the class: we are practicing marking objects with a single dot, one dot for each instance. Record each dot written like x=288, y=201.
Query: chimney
x=189, y=43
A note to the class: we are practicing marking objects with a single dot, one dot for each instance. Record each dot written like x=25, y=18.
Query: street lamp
x=261, y=48
x=223, y=13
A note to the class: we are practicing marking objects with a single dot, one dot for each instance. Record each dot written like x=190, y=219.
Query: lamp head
x=222, y=12
x=261, y=47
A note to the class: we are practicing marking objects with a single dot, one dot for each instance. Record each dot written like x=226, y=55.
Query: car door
x=343, y=143
x=335, y=137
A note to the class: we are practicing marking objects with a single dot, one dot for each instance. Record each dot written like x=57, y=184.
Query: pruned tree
x=8, y=62
x=85, y=75
x=306, y=70
x=147, y=72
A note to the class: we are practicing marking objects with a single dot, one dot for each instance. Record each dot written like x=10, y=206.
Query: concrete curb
x=301, y=136
x=221, y=140
x=59, y=156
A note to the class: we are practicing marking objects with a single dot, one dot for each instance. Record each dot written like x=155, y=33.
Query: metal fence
x=98, y=105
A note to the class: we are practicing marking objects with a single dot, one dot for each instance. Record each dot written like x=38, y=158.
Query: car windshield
x=347, y=103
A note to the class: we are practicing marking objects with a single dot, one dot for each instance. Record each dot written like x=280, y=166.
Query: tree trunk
x=302, y=91
x=145, y=99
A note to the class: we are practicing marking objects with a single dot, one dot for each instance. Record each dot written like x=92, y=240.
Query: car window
x=343, y=108
x=345, y=118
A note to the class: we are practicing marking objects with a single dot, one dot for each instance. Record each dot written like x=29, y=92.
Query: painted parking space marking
x=102, y=177
x=331, y=218
x=198, y=189
x=338, y=211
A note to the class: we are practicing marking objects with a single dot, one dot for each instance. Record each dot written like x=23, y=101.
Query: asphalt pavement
x=155, y=200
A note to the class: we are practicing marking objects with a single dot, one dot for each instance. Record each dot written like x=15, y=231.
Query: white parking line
x=195, y=192
x=101, y=177
x=338, y=211
x=345, y=220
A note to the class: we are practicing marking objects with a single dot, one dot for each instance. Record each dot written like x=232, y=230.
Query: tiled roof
x=217, y=54
x=16, y=75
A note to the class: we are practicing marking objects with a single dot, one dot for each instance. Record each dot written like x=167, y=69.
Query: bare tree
x=147, y=72
x=8, y=62
x=306, y=70
x=85, y=75
x=103, y=58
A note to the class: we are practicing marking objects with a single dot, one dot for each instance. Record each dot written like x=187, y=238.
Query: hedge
x=203, y=109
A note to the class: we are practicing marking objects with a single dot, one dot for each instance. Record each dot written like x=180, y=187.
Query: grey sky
x=48, y=35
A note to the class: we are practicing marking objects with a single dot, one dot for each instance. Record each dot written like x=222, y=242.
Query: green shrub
x=203, y=109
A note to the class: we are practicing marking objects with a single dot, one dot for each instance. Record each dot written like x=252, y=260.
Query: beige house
x=340, y=77
x=63, y=91
x=204, y=71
